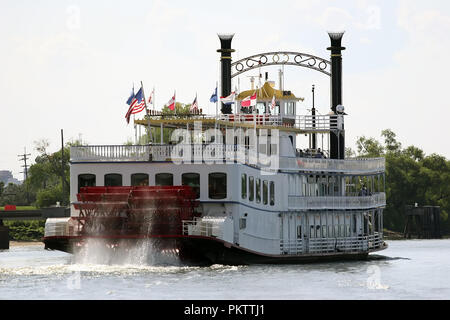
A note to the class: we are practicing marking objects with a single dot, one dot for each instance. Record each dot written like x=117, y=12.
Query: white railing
x=220, y=152
x=291, y=247
x=110, y=153
x=301, y=122
x=204, y=228
x=348, y=165
x=334, y=203
x=333, y=245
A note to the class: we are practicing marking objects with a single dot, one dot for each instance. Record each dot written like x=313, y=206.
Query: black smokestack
x=225, y=59
x=337, y=140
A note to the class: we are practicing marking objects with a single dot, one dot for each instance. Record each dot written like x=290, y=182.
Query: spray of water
x=142, y=252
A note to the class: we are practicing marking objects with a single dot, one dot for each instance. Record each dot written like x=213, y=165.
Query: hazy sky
x=71, y=64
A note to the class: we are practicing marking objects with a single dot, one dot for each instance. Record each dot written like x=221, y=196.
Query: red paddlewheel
x=134, y=211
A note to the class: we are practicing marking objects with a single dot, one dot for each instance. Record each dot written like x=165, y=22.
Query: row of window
x=371, y=222
x=217, y=182
x=268, y=190
x=322, y=185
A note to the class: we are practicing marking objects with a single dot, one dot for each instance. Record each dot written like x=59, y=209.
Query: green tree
x=390, y=141
x=411, y=177
x=16, y=195
x=349, y=153
x=369, y=147
x=48, y=174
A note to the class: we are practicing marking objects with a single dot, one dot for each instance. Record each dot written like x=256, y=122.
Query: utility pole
x=24, y=159
x=25, y=172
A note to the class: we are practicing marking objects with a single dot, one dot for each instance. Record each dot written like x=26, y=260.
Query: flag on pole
x=137, y=105
x=171, y=103
x=230, y=99
x=214, y=96
x=130, y=99
x=194, y=105
x=151, y=96
x=249, y=101
x=138, y=102
x=273, y=102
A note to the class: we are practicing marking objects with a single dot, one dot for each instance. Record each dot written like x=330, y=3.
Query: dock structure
x=42, y=214
x=422, y=222
x=4, y=237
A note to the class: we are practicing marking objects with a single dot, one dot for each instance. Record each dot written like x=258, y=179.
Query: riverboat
x=261, y=184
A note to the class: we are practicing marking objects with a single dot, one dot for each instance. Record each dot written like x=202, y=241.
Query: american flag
x=137, y=105
x=194, y=106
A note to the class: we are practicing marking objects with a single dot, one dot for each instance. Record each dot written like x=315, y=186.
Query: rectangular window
x=192, y=180
x=86, y=180
x=217, y=185
x=242, y=223
x=265, y=192
x=251, y=188
x=139, y=179
x=247, y=142
x=258, y=190
x=299, y=232
x=164, y=179
x=113, y=180
x=272, y=193
x=290, y=108
x=244, y=186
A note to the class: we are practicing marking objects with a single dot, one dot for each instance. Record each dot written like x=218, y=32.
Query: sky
x=71, y=64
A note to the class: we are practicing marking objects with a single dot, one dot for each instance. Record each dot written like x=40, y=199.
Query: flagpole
x=148, y=114
x=217, y=98
x=135, y=130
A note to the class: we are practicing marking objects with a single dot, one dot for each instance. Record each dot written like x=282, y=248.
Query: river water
x=412, y=269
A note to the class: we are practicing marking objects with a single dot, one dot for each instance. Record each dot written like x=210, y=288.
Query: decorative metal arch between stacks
x=281, y=58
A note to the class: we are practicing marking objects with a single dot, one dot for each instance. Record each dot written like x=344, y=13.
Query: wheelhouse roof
x=266, y=93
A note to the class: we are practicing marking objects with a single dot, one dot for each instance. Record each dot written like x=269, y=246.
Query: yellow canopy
x=266, y=93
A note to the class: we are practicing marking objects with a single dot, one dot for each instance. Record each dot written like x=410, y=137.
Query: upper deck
x=299, y=124
x=201, y=153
